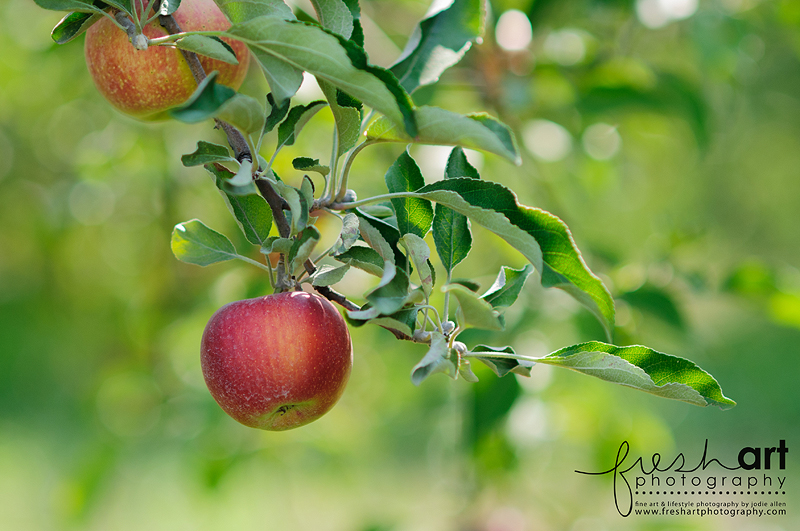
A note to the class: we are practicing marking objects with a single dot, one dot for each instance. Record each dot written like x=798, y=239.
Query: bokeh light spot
x=656, y=14
x=601, y=141
x=513, y=31
x=547, y=140
x=566, y=47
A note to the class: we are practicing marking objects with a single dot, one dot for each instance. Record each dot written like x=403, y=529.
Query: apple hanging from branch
x=146, y=82
x=277, y=362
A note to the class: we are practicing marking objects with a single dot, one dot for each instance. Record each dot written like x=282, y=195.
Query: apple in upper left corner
x=145, y=83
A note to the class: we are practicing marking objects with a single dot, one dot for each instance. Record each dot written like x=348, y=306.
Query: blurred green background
x=666, y=133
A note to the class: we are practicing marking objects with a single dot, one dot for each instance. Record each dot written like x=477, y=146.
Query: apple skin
x=277, y=362
x=145, y=83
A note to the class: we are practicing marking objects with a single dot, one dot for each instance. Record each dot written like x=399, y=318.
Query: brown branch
x=277, y=204
x=337, y=297
x=237, y=141
x=242, y=151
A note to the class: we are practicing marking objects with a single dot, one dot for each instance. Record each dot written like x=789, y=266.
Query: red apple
x=144, y=83
x=277, y=362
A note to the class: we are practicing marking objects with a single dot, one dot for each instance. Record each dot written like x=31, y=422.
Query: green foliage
x=72, y=26
x=205, y=103
x=297, y=119
x=340, y=62
x=212, y=47
x=195, y=243
x=441, y=127
x=643, y=368
x=207, y=153
x=439, y=42
x=414, y=215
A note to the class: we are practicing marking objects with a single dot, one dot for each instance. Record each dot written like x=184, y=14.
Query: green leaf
x=379, y=211
x=277, y=113
x=294, y=123
x=363, y=258
x=225, y=178
x=73, y=25
x=507, y=286
x=309, y=164
x=459, y=166
x=388, y=232
x=346, y=117
x=80, y=6
x=204, y=102
x=168, y=7
x=251, y=211
x=307, y=192
x=420, y=253
x=122, y=5
x=414, y=216
x=392, y=291
x=465, y=370
x=209, y=47
x=243, y=10
x=358, y=32
x=502, y=366
x=297, y=205
x=436, y=360
x=206, y=153
x=253, y=215
x=439, y=42
x=446, y=128
x=302, y=248
x=539, y=235
x=451, y=233
x=195, y=243
x=401, y=324
x=376, y=240
x=403, y=321
x=244, y=113
x=244, y=176
x=334, y=15
x=330, y=57
x=327, y=275
x=467, y=283
x=643, y=368
x=348, y=235
x=276, y=244
x=474, y=310
x=283, y=79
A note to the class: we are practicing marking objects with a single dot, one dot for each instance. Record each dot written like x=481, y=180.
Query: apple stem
x=139, y=41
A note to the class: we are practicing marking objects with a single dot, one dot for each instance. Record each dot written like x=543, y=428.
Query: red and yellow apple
x=145, y=83
x=277, y=362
